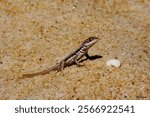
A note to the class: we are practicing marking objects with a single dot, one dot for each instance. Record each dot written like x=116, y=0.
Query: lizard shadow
x=91, y=58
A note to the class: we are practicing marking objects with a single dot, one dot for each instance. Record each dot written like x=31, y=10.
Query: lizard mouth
x=94, y=40
x=91, y=43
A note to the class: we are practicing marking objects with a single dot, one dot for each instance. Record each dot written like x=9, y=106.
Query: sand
x=34, y=35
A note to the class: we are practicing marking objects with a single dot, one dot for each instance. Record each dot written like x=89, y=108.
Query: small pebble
x=113, y=63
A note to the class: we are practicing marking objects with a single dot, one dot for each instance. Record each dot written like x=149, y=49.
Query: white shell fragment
x=113, y=63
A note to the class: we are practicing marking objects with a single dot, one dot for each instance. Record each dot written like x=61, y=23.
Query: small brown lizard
x=71, y=59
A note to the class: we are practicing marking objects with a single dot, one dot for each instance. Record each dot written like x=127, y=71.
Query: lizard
x=72, y=58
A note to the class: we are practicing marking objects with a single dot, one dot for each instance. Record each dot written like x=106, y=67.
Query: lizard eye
x=91, y=38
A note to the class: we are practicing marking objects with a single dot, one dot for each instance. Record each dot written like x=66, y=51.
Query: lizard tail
x=41, y=73
x=36, y=74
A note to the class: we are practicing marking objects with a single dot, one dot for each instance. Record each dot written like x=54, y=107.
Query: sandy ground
x=36, y=34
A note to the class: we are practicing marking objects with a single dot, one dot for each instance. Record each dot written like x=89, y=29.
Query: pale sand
x=36, y=34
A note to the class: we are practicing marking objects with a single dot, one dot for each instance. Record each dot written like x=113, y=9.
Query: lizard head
x=90, y=41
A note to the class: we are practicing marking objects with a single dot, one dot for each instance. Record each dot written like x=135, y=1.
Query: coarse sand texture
x=36, y=34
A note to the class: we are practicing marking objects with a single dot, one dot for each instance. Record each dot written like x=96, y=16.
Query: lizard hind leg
x=62, y=65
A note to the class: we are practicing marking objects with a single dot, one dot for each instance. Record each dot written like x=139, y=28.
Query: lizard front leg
x=87, y=55
x=77, y=62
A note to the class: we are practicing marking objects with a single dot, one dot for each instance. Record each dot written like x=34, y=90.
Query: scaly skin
x=72, y=58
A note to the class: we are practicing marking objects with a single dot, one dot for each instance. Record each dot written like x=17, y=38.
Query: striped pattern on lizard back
x=72, y=58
